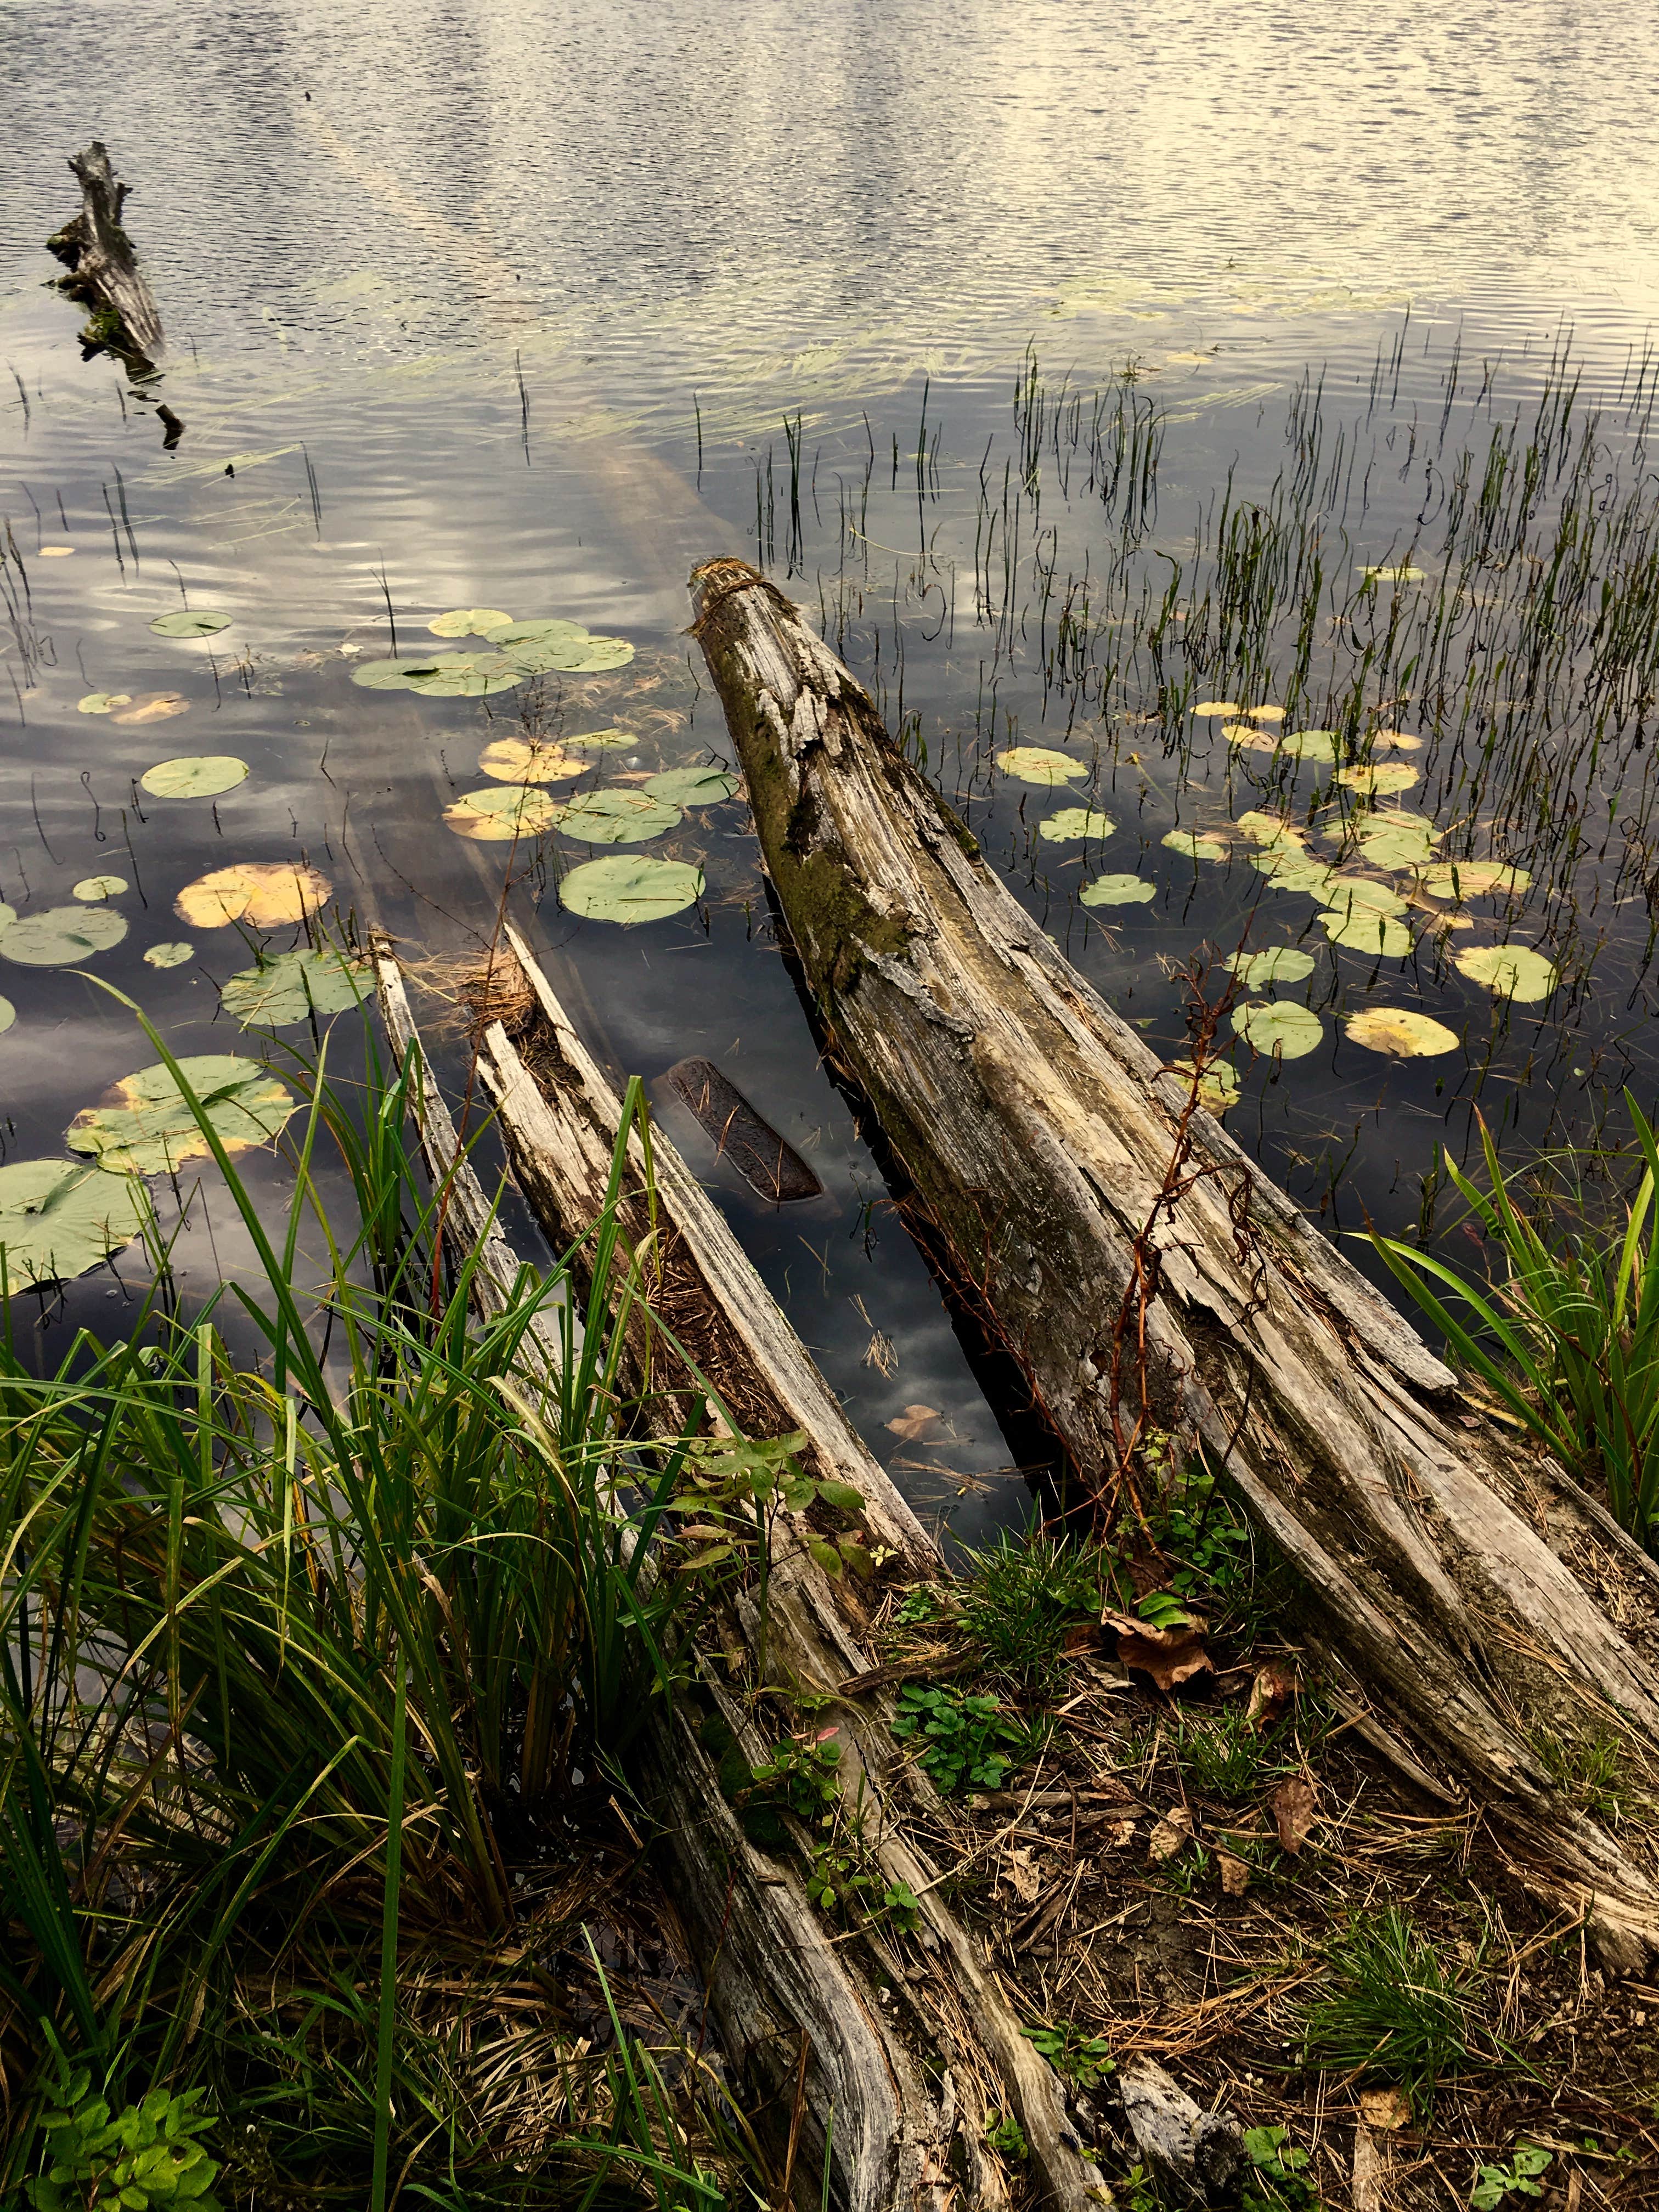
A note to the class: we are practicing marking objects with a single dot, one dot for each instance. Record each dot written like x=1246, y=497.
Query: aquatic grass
x=297, y=1658
x=1568, y=1340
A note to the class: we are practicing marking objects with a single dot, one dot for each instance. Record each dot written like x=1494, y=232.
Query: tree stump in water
x=1141, y=1270
x=103, y=274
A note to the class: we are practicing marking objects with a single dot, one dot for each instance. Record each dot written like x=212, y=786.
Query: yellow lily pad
x=520, y=759
x=1464, y=879
x=1218, y=1086
x=1195, y=847
x=1218, y=707
x=502, y=813
x=95, y=889
x=103, y=702
x=469, y=622
x=1509, y=971
x=1399, y=1031
x=1374, y=776
x=1075, y=821
x=1038, y=764
x=266, y=893
x=1265, y=713
x=148, y=1129
x=156, y=707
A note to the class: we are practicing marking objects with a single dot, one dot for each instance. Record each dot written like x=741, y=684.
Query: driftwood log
x=1140, y=1268
x=899, y=2046
x=103, y=273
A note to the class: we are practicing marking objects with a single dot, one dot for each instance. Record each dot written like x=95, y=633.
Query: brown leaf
x=1169, y=1655
x=1293, y=1805
x=1022, y=1876
x=1270, y=1693
x=1235, y=1873
x=1120, y=1832
x=1387, y=2109
x=1170, y=1833
x=913, y=1422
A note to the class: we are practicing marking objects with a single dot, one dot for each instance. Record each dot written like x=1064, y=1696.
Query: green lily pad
x=191, y=622
x=1294, y=870
x=1285, y=963
x=149, y=1129
x=1039, y=764
x=1218, y=1087
x=93, y=889
x=294, y=985
x=1350, y=895
x=617, y=817
x=538, y=646
x=7, y=1015
x=1297, y=744
x=170, y=956
x=1466, y=879
x=507, y=635
x=57, y=1218
x=1276, y=1025
x=1399, y=1031
x=103, y=702
x=194, y=776
x=691, y=787
x=463, y=676
x=601, y=741
x=1360, y=931
x=469, y=622
x=1075, y=821
x=502, y=812
x=1373, y=776
x=1398, y=848
x=1509, y=971
x=1195, y=847
x=61, y=935
x=390, y=675
x=629, y=887
x=1117, y=890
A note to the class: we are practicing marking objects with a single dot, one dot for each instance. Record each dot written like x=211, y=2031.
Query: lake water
x=1072, y=374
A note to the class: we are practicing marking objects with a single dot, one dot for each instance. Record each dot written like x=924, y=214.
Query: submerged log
x=103, y=273
x=880, y=2056
x=1143, y=1272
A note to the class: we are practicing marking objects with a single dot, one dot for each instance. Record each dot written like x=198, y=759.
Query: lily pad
x=1269, y=829
x=1038, y=764
x=1374, y=776
x=7, y=1015
x=1294, y=745
x=1294, y=870
x=1285, y=963
x=691, y=787
x=1401, y=741
x=61, y=936
x=1398, y=1030
x=1218, y=707
x=1196, y=848
x=503, y=812
x=7, y=915
x=103, y=702
x=464, y=676
x=520, y=759
x=1117, y=890
x=1398, y=848
x=172, y=955
x=539, y=646
x=1349, y=895
x=1378, y=934
x=57, y=1218
x=194, y=776
x=1404, y=574
x=147, y=1128
x=469, y=622
x=1265, y=713
x=390, y=675
x=1075, y=821
x=1276, y=1025
x=191, y=622
x=549, y=631
x=266, y=893
x=1218, y=1086
x=293, y=986
x=155, y=707
x=617, y=817
x=1463, y=879
x=626, y=887
x=93, y=889
x=601, y=741
x=1509, y=971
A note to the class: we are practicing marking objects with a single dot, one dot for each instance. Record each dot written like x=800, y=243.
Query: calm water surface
x=510, y=308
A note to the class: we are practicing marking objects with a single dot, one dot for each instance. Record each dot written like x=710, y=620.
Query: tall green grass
x=1569, y=1339
x=300, y=1653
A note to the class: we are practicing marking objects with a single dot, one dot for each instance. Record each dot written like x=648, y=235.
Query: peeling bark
x=1471, y=1593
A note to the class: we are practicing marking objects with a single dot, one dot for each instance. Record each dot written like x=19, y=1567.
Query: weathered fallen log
x=103, y=273
x=898, y=2046
x=1141, y=1270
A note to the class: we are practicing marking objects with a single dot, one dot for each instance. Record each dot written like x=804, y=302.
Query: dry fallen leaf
x=1169, y=1655
x=1293, y=1805
x=156, y=707
x=913, y=1422
x=1270, y=1693
x=1387, y=2109
x=1170, y=1833
x=1235, y=1873
x=266, y=893
x=1121, y=1833
x=1022, y=1876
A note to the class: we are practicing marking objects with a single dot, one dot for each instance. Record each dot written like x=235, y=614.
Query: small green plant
x=1140, y=2191
x=842, y=1878
x=147, y=2155
x=1195, y=1526
x=919, y=1607
x=1276, y=2182
x=1226, y=1757
x=1518, y=2179
x=966, y=1739
x=1084, y=2059
x=1587, y=1769
x=1004, y=2136
x=1019, y=1599
x=1399, y=2009
x=799, y=1779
